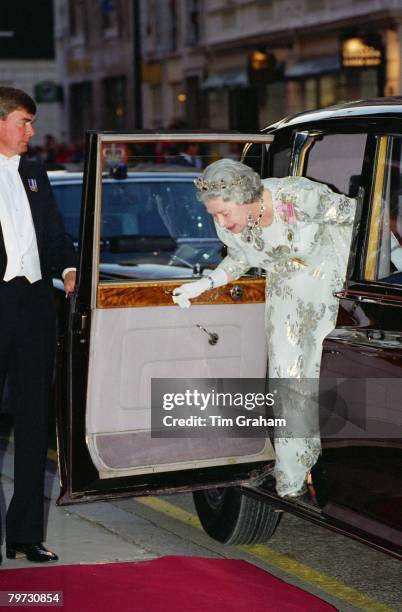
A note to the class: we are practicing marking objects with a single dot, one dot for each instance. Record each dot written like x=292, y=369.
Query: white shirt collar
x=14, y=160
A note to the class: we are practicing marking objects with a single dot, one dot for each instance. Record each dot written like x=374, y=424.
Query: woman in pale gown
x=299, y=231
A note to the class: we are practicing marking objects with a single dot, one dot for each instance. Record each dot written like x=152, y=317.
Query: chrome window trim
x=302, y=142
x=188, y=137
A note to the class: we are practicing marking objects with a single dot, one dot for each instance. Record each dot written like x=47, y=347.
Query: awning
x=229, y=78
x=313, y=67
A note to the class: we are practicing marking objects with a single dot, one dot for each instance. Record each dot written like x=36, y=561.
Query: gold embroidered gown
x=305, y=253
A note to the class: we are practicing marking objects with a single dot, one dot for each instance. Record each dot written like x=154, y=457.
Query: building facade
x=94, y=52
x=27, y=61
x=220, y=64
x=242, y=64
x=268, y=58
x=174, y=63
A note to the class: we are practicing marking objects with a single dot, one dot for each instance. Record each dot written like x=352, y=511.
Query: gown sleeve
x=317, y=202
x=235, y=263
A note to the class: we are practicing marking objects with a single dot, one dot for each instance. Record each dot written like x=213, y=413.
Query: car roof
x=63, y=177
x=376, y=107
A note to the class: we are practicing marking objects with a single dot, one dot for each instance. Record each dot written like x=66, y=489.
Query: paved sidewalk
x=75, y=538
x=146, y=528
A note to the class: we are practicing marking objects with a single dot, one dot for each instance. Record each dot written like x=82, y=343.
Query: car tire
x=231, y=517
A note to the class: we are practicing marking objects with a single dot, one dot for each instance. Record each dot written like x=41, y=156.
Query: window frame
x=373, y=240
x=302, y=140
x=357, y=286
x=150, y=292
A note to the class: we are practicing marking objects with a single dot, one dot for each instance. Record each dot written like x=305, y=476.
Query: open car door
x=138, y=241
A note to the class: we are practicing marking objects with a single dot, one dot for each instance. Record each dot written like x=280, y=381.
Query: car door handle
x=213, y=337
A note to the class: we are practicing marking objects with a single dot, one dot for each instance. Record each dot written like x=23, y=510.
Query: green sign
x=47, y=91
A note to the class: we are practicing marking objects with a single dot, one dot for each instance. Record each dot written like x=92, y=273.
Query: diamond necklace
x=252, y=232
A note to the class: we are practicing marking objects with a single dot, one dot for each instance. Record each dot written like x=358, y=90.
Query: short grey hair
x=229, y=180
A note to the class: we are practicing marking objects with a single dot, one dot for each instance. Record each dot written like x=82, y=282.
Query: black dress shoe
x=33, y=552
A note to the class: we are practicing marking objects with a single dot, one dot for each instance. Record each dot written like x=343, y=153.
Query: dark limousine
x=123, y=331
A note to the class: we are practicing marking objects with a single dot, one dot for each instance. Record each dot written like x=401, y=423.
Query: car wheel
x=231, y=517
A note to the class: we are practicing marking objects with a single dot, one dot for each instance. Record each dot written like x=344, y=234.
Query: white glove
x=183, y=294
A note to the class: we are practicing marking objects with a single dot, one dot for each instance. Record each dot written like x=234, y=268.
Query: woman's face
x=228, y=214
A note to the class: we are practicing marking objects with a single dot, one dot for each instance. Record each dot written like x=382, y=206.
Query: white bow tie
x=9, y=162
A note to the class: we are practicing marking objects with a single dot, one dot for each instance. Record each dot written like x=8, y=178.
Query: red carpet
x=179, y=584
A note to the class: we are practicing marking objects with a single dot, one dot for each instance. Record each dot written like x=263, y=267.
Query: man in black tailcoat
x=33, y=248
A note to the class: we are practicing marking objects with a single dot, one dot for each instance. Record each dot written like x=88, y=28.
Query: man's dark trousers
x=27, y=352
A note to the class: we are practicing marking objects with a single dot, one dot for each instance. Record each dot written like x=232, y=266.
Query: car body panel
x=119, y=440
x=364, y=473
x=351, y=112
x=362, y=476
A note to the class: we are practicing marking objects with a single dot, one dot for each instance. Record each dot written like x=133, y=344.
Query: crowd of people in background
x=55, y=155
x=183, y=155
x=186, y=155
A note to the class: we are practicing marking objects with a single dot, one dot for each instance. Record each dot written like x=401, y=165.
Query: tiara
x=204, y=185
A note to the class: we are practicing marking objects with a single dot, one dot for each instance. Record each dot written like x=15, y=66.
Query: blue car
x=152, y=224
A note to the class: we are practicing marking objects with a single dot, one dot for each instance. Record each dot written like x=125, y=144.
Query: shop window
x=272, y=109
x=111, y=17
x=341, y=89
x=78, y=20
x=310, y=93
x=294, y=97
x=243, y=110
x=196, y=103
x=173, y=25
x=327, y=90
x=369, y=83
x=158, y=19
x=156, y=105
x=115, y=103
x=193, y=22
x=81, y=115
x=179, y=98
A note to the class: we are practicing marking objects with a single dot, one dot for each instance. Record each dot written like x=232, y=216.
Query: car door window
x=280, y=154
x=384, y=250
x=156, y=221
x=337, y=160
x=152, y=224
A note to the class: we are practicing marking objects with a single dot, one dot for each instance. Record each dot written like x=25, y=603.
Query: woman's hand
x=183, y=294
